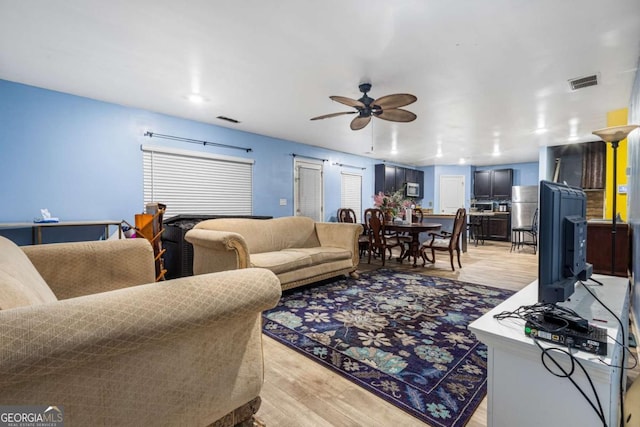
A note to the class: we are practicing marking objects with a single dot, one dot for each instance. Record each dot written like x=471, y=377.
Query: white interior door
x=308, y=189
x=451, y=193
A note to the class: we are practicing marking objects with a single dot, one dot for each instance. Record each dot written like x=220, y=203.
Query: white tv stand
x=521, y=392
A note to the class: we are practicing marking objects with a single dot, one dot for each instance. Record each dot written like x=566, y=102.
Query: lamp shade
x=615, y=133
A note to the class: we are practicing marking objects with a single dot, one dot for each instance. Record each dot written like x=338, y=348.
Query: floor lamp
x=614, y=135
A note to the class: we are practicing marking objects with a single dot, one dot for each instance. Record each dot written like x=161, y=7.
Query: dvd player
x=592, y=340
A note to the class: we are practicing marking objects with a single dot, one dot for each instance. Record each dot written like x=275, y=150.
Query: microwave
x=413, y=189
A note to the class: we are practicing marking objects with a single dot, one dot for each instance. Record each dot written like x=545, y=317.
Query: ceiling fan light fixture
x=385, y=108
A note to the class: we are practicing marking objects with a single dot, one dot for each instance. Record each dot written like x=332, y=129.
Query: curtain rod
x=193, y=141
x=349, y=166
x=308, y=157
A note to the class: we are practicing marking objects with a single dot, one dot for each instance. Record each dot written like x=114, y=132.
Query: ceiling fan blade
x=397, y=115
x=395, y=100
x=360, y=122
x=326, y=116
x=347, y=101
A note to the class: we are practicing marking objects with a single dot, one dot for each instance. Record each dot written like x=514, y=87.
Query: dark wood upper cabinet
x=482, y=184
x=493, y=184
x=400, y=178
x=389, y=179
x=501, y=184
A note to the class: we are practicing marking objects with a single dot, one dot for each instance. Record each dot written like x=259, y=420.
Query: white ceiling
x=485, y=72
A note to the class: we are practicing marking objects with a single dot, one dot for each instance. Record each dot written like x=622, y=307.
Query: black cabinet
x=501, y=184
x=499, y=227
x=482, y=184
x=390, y=179
x=411, y=175
x=492, y=227
x=400, y=177
x=493, y=184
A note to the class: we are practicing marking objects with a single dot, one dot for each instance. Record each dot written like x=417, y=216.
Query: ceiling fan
x=385, y=107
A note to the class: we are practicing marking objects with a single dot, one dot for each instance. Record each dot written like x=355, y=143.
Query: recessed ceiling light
x=540, y=131
x=196, y=98
x=462, y=161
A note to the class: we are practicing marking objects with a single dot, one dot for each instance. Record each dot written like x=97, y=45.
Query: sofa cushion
x=281, y=261
x=268, y=235
x=20, y=283
x=324, y=254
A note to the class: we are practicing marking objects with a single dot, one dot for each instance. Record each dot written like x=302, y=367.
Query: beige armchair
x=81, y=327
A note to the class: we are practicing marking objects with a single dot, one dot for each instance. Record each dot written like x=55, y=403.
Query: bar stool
x=476, y=229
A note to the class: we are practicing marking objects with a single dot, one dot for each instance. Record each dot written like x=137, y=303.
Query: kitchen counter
x=488, y=213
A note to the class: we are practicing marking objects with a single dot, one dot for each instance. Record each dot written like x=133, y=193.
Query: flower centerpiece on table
x=392, y=204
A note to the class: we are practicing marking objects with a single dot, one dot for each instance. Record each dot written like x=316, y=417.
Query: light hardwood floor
x=299, y=392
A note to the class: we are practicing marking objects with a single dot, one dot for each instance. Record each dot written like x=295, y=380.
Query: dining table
x=414, y=230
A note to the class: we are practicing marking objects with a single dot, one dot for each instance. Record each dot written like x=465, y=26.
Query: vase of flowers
x=392, y=204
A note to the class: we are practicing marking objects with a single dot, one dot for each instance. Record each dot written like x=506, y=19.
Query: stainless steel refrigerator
x=524, y=202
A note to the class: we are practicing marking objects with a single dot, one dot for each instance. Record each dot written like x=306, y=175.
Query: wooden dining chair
x=417, y=216
x=379, y=241
x=347, y=215
x=445, y=241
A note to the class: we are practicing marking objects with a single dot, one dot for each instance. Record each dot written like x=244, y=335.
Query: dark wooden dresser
x=599, y=247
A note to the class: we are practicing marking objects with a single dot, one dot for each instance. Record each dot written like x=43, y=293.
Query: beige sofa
x=297, y=249
x=82, y=328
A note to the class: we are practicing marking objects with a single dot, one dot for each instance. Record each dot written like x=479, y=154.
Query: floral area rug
x=401, y=336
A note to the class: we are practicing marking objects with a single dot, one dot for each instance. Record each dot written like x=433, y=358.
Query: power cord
x=623, y=344
x=574, y=361
x=530, y=313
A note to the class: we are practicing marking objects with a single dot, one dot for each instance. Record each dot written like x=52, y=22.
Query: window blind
x=190, y=182
x=351, y=193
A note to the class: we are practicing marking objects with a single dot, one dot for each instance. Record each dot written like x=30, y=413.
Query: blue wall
x=81, y=159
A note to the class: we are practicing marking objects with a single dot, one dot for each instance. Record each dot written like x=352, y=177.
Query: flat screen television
x=562, y=241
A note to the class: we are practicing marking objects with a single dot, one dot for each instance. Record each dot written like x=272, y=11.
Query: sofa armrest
x=341, y=235
x=217, y=250
x=135, y=355
x=85, y=268
x=62, y=334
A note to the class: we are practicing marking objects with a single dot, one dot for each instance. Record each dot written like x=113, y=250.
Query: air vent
x=583, y=82
x=227, y=119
